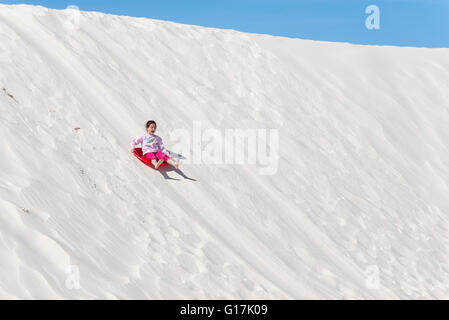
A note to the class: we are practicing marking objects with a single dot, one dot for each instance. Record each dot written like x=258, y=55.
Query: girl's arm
x=136, y=142
x=161, y=147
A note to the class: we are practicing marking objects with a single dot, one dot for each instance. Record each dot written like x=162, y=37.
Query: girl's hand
x=132, y=150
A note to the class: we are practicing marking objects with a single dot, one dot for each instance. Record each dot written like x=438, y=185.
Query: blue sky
x=420, y=23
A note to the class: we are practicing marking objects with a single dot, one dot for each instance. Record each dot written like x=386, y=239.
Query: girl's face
x=151, y=129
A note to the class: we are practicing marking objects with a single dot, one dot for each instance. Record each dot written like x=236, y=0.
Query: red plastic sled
x=138, y=154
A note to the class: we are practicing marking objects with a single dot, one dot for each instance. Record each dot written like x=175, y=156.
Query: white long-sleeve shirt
x=150, y=143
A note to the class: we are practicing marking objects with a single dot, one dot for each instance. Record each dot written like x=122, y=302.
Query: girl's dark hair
x=149, y=123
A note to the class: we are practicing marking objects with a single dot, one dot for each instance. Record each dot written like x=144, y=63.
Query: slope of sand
x=357, y=208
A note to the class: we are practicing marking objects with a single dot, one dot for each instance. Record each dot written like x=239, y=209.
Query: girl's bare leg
x=174, y=164
x=154, y=163
x=158, y=163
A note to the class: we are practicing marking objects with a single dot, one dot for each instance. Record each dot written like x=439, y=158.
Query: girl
x=152, y=147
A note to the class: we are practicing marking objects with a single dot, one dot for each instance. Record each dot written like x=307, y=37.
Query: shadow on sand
x=167, y=168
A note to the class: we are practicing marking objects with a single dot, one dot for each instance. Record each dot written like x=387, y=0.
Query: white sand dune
x=358, y=208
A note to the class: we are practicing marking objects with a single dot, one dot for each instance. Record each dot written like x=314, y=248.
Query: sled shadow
x=168, y=168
